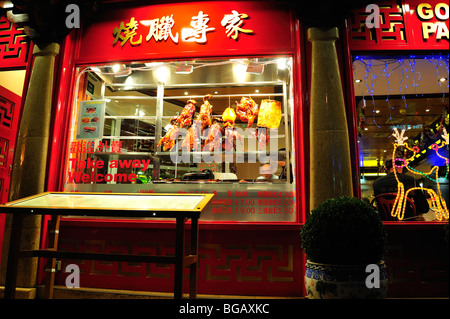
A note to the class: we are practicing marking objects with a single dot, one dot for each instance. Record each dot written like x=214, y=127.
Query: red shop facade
x=413, y=39
x=141, y=65
x=173, y=53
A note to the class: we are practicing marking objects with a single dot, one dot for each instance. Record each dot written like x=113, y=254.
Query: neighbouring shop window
x=220, y=126
x=402, y=113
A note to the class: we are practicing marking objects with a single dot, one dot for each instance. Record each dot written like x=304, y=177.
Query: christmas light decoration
x=438, y=62
x=436, y=202
x=404, y=69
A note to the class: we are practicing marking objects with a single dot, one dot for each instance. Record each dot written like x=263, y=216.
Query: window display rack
x=139, y=108
x=161, y=120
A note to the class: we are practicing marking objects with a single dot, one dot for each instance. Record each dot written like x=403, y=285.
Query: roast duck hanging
x=247, y=110
x=180, y=121
x=268, y=116
x=203, y=120
x=168, y=141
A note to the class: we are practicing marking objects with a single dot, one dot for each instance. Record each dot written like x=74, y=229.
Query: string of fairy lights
x=409, y=78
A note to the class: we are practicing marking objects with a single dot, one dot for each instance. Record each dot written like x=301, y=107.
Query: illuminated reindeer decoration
x=437, y=203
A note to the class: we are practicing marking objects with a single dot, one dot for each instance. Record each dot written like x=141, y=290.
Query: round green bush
x=344, y=231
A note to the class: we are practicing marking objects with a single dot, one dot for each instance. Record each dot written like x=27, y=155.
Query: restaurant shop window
x=221, y=126
x=402, y=113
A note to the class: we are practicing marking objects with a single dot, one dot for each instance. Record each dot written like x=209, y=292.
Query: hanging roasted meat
x=205, y=112
x=247, y=110
x=168, y=141
x=202, y=121
x=261, y=136
x=192, y=139
x=269, y=114
x=214, y=139
x=231, y=136
x=189, y=139
x=185, y=118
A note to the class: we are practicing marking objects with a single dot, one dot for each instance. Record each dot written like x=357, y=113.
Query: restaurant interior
x=406, y=93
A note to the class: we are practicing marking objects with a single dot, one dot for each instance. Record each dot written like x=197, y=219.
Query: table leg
x=193, y=266
x=13, y=256
x=179, y=257
x=53, y=231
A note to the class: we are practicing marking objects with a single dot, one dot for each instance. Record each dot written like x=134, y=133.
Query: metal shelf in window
x=161, y=96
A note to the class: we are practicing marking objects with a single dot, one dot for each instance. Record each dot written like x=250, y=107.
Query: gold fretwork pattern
x=3, y=152
x=392, y=26
x=247, y=263
x=218, y=262
x=13, y=45
x=6, y=112
x=110, y=268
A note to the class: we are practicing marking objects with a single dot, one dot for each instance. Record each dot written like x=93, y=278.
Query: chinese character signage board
x=90, y=120
x=187, y=29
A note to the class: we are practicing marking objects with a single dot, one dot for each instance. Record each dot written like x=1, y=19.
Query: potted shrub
x=341, y=238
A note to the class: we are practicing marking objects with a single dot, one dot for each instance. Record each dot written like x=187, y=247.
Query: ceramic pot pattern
x=323, y=281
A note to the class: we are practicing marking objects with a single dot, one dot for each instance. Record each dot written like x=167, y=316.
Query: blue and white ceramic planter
x=323, y=281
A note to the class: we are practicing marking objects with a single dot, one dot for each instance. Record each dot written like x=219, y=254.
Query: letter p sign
x=73, y=279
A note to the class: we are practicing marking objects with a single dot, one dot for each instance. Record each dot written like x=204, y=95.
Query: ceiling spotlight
x=282, y=63
x=162, y=74
x=443, y=79
x=358, y=81
x=116, y=68
x=427, y=110
x=6, y=4
x=239, y=71
x=121, y=70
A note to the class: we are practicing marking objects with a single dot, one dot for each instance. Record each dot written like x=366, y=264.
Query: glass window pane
x=410, y=95
x=142, y=110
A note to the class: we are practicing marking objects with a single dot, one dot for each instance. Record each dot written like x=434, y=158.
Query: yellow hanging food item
x=269, y=114
x=229, y=115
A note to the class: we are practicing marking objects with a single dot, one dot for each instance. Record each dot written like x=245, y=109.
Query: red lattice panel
x=235, y=264
x=13, y=45
x=3, y=153
x=6, y=112
x=391, y=30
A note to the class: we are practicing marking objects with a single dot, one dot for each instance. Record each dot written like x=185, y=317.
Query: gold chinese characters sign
x=188, y=29
x=163, y=28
